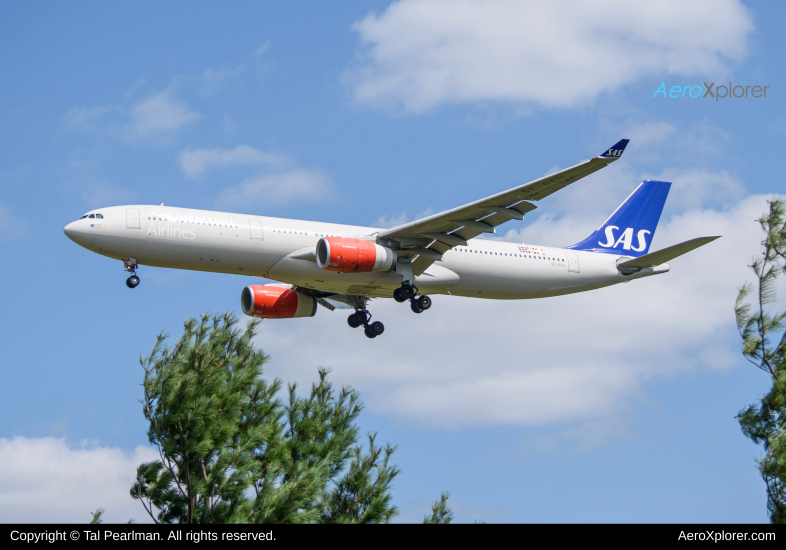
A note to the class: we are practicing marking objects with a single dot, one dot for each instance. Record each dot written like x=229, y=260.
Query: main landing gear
x=361, y=317
x=130, y=266
x=407, y=291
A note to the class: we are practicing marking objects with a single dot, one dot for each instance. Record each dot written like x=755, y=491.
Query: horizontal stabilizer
x=663, y=256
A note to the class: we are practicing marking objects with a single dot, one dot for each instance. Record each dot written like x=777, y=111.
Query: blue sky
x=616, y=405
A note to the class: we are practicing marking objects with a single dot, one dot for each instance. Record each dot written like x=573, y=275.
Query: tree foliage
x=440, y=513
x=232, y=452
x=764, y=345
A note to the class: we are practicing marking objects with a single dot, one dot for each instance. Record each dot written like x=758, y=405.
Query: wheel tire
x=376, y=328
x=398, y=297
x=415, y=306
x=352, y=321
x=424, y=302
x=407, y=291
x=132, y=281
x=369, y=333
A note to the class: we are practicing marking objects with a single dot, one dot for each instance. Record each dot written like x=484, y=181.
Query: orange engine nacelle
x=345, y=255
x=275, y=302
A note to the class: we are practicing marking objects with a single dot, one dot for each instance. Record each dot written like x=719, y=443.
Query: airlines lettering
x=613, y=152
x=625, y=239
x=167, y=230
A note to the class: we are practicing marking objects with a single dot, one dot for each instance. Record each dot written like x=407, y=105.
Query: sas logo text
x=625, y=239
x=613, y=153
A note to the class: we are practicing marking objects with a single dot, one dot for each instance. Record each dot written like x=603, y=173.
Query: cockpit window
x=92, y=216
x=100, y=216
x=83, y=217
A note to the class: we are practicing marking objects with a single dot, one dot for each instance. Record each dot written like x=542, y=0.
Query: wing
x=427, y=239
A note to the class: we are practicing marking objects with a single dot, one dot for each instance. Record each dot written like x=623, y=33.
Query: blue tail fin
x=629, y=230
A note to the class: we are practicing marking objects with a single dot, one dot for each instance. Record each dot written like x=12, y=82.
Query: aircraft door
x=573, y=261
x=132, y=218
x=256, y=229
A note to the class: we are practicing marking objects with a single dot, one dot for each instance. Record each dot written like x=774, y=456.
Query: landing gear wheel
x=132, y=281
x=415, y=306
x=398, y=297
x=424, y=302
x=353, y=321
x=376, y=328
x=407, y=291
x=369, y=333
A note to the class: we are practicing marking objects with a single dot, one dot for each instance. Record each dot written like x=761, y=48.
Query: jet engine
x=346, y=255
x=276, y=302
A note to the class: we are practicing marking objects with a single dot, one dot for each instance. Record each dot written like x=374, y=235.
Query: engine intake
x=347, y=255
x=275, y=302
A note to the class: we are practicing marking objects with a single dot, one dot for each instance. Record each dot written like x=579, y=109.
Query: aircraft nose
x=71, y=231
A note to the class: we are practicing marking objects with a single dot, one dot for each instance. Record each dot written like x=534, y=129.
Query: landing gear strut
x=130, y=266
x=408, y=291
x=361, y=317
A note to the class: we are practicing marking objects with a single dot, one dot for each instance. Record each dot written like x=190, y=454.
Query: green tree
x=232, y=452
x=764, y=345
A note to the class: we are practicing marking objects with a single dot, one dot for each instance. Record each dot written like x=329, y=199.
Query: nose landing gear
x=131, y=266
x=361, y=317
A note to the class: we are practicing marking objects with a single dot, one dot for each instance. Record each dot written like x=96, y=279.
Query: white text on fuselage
x=173, y=224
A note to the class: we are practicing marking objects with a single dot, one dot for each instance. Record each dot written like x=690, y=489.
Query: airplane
x=344, y=266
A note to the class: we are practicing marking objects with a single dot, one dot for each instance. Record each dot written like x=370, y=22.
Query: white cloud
x=277, y=189
x=133, y=89
x=79, y=115
x=11, y=227
x=699, y=186
x=649, y=132
x=564, y=218
x=578, y=359
x=213, y=77
x=386, y=222
x=47, y=480
x=159, y=117
x=196, y=162
x=263, y=48
x=419, y=54
x=213, y=80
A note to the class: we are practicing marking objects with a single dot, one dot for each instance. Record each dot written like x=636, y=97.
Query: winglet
x=615, y=151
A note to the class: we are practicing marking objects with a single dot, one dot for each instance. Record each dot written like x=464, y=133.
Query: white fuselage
x=201, y=240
